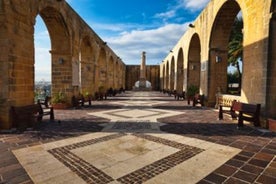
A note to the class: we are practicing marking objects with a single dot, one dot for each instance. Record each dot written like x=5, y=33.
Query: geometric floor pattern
x=134, y=147
x=123, y=158
x=145, y=114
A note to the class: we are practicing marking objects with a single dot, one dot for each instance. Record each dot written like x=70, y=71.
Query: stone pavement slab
x=182, y=144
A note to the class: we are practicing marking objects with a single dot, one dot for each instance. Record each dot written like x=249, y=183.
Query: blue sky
x=128, y=26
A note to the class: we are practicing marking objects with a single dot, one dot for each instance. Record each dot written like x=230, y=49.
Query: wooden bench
x=179, y=96
x=46, y=108
x=224, y=103
x=247, y=112
x=79, y=101
x=198, y=99
x=28, y=115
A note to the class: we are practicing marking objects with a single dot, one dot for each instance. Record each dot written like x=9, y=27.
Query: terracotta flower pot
x=272, y=124
x=60, y=106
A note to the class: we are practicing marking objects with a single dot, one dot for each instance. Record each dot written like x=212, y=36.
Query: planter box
x=272, y=124
x=60, y=106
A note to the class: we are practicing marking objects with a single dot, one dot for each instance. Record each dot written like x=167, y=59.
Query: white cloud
x=187, y=5
x=193, y=5
x=166, y=15
x=155, y=42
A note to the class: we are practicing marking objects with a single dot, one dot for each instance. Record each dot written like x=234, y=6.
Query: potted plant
x=191, y=91
x=271, y=121
x=59, y=101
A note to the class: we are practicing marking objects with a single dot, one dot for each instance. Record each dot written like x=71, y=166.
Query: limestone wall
x=213, y=27
x=81, y=61
x=133, y=75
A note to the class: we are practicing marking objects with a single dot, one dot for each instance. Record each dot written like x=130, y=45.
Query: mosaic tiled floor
x=123, y=158
x=149, y=137
x=146, y=114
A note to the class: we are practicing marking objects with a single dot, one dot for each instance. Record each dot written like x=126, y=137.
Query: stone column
x=142, y=80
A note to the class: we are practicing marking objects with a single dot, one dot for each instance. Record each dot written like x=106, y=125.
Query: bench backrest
x=27, y=109
x=246, y=108
x=45, y=102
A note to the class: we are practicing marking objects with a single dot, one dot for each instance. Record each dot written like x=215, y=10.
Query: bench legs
x=240, y=120
x=220, y=113
x=52, y=116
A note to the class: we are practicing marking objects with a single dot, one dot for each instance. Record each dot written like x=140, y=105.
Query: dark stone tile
x=226, y=170
x=234, y=181
x=269, y=151
x=259, y=163
x=239, y=144
x=252, y=169
x=266, y=179
x=245, y=153
x=241, y=158
x=252, y=148
x=215, y=178
x=203, y=182
x=270, y=171
x=264, y=156
x=273, y=164
x=234, y=163
x=271, y=146
x=15, y=175
x=245, y=176
x=10, y=168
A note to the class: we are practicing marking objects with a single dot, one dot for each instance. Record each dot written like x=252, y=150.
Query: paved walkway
x=138, y=137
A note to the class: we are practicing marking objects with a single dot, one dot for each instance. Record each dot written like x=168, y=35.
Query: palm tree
x=235, y=46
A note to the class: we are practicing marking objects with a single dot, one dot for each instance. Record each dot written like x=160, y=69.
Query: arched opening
x=163, y=77
x=271, y=95
x=116, y=76
x=218, y=49
x=180, y=71
x=101, y=72
x=42, y=44
x=235, y=57
x=172, y=74
x=193, y=69
x=61, y=67
x=111, y=72
x=167, y=76
x=86, y=60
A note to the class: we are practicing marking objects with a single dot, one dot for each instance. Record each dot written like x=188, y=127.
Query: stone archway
x=110, y=72
x=116, y=76
x=194, y=63
x=162, y=80
x=86, y=58
x=172, y=74
x=167, y=76
x=271, y=95
x=60, y=50
x=66, y=29
x=180, y=71
x=218, y=49
x=101, y=70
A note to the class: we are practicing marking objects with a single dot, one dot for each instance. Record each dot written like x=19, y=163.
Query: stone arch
x=110, y=72
x=194, y=63
x=120, y=75
x=86, y=58
x=218, y=49
x=116, y=76
x=180, y=71
x=101, y=70
x=162, y=77
x=271, y=91
x=167, y=76
x=172, y=74
x=60, y=49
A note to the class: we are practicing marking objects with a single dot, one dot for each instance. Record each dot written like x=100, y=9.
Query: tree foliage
x=235, y=47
